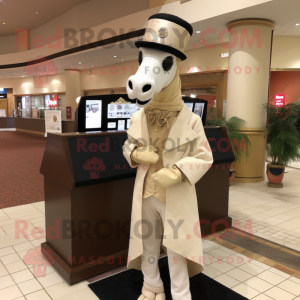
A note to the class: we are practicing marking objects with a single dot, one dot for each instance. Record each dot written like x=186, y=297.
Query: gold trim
x=285, y=69
x=253, y=130
x=248, y=180
x=255, y=256
x=73, y=70
x=247, y=22
x=120, y=101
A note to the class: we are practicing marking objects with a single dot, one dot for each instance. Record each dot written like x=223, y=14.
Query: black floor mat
x=128, y=285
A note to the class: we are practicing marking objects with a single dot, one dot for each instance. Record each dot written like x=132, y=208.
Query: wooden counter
x=30, y=125
x=89, y=209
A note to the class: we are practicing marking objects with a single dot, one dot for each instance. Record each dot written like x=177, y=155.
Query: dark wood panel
x=30, y=124
x=68, y=126
x=3, y=122
x=77, y=211
x=11, y=123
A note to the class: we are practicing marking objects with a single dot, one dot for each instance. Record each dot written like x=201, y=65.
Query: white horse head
x=156, y=71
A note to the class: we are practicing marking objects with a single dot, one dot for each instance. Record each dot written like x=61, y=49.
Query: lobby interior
x=240, y=58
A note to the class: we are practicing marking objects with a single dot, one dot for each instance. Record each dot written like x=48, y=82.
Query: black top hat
x=167, y=33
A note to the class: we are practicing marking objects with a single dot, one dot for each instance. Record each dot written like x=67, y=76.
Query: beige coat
x=187, y=147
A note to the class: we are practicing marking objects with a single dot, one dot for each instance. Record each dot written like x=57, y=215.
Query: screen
x=190, y=105
x=3, y=93
x=93, y=113
x=199, y=109
x=116, y=111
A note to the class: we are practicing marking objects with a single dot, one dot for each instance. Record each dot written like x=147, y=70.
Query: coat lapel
x=181, y=132
x=139, y=129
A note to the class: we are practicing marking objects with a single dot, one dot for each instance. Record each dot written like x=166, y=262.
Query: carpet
x=20, y=161
x=128, y=285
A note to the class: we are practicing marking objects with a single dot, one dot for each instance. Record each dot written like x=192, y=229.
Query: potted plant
x=283, y=140
x=236, y=138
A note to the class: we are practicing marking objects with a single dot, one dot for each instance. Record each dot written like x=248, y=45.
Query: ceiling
x=284, y=13
x=31, y=14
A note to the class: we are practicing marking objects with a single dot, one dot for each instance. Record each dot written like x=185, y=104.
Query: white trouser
x=154, y=212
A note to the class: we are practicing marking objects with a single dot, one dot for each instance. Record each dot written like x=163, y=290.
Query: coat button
x=156, y=129
x=174, y=167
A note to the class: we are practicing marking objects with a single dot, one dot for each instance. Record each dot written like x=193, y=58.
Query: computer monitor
x=105, y=112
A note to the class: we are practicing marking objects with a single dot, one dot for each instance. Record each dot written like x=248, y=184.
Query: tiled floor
x=274, y=213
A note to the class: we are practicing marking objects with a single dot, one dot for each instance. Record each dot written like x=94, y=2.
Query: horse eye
x=140, y=57
x=167, y=63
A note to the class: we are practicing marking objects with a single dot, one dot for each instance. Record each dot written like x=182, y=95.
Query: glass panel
x=37, y=106
x=26, y=107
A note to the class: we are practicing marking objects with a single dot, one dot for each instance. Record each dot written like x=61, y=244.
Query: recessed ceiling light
x=37, y=12
x=114, y=56
x=198, y=31
x=297, y=24
x=80, y=63
x=4, y=23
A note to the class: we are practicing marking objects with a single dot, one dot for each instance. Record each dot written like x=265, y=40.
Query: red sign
x=279, y=100
x=69, y=113
x=53, y=102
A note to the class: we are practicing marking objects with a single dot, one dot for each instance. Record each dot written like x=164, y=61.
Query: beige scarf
x=170, y=97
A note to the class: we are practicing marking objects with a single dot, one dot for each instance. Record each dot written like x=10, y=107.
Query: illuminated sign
x=226, y=54
x=279, y=100
x=3, y=93
x=53, y=102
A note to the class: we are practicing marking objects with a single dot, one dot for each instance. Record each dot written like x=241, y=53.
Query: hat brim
x=161, y=47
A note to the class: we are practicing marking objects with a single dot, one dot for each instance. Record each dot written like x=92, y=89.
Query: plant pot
x=275, y=175
x=231, y=174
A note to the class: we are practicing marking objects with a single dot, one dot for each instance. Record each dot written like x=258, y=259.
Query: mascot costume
x=167, y=144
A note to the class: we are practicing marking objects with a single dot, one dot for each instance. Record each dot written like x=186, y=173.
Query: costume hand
x=167, y=176
x=145, y=155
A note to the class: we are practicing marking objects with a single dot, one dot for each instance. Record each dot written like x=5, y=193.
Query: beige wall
x=108, y=77
x=26, y=85
x=285, y=55
x=73, y=89
x=286, y=52
x=155, y=3
x=7, y=45
x=126, y=15
x=87, y=15
x=116, y=75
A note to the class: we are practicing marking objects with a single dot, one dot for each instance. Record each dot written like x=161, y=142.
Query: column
x=249, y=61
x=73, y=89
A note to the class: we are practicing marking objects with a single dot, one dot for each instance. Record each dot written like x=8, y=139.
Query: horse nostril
x=130, y=84
x=146, y=88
